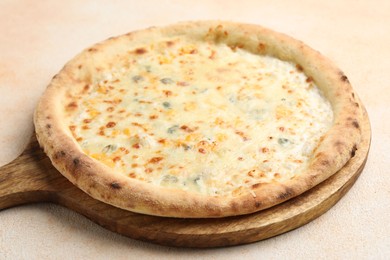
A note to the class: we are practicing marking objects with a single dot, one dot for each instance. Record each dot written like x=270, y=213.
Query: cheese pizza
x=199, y=119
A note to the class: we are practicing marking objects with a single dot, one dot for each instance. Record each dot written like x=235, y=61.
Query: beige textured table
x=38, y=37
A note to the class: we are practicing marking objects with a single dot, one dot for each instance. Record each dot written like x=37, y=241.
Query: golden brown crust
x=96, y=179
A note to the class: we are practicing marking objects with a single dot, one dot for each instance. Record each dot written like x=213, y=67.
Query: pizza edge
x=335, y=149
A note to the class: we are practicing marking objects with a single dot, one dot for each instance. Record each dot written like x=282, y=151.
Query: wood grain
x=32, y=178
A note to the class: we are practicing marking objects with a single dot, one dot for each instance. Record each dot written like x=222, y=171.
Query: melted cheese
x=202, y=117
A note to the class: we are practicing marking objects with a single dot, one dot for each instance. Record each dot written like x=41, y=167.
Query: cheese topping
x=202, y=117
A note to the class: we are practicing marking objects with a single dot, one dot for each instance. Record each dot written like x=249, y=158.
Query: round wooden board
x=32, y=178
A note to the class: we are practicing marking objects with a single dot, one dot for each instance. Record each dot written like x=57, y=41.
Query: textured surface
x=37, y=39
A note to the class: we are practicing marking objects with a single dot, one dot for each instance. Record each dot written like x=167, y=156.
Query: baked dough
x=199, y=120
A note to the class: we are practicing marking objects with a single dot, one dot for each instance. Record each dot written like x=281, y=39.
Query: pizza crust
x=335, y=149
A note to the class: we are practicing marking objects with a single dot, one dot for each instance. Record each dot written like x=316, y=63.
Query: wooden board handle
x=25, y=179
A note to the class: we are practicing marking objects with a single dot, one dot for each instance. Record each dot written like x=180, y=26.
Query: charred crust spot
x=309, y=79
x=76, y=161
x=140, y=51
x=288, y=193
x=55, y=76
x=257, y=204
x=353, y=151
x=261, y=47
x=59, y=154
x=356, y=124
x=48, y=126
x=344, y=78
x=115, y=185
x=325, y=162
x=356, y=104
x=80, y=66
x=92, y=50
x=339, y=146
x=234, y=206
x=353, y=95
x=130, y=205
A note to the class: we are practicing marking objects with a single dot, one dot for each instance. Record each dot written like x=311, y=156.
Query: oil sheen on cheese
x=201, y=117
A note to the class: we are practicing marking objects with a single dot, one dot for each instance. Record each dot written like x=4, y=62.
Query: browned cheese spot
x=72, y=105
x=186, y=129
x=299, y=67
x=140, y=51
x=110, y=124
x=155, y=159
x=309, y=79
x=167, y=93
x=236, y=46
x=201, y=150
x=256, y=185
x=170, y=43
x=182, y=83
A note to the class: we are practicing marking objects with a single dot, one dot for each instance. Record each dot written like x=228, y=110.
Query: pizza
x=198, y=120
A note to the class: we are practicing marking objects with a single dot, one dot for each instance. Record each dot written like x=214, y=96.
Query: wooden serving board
x=32, y=178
